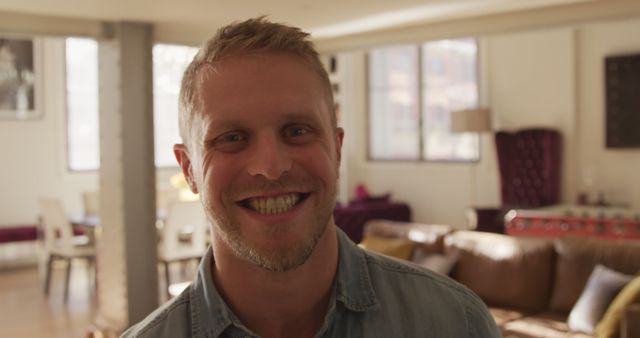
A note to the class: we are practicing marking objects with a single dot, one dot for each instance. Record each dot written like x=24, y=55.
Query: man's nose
x=269, y=158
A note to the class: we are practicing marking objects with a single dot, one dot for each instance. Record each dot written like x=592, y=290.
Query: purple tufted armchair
x=529, y=163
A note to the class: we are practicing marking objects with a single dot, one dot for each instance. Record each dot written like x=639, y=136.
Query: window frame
x=67, y=119
x=421, y=118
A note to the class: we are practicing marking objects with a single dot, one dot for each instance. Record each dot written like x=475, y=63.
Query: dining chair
x=91, y=203
x=60, y=243
x=183, y=235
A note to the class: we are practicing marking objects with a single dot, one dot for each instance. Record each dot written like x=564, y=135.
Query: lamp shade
x=471, y=120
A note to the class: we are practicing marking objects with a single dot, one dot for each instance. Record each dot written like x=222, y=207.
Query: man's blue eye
x=298, y=131
x=231, y=138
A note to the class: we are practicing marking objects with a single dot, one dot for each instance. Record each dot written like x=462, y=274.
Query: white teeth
x=274, y=205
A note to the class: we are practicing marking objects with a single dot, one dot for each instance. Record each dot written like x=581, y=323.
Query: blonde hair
x=256, y=35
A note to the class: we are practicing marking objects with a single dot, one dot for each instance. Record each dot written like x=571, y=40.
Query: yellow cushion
x=610, y=323
x=395, y=247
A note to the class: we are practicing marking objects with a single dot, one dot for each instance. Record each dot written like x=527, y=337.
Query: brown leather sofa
x=529, y=284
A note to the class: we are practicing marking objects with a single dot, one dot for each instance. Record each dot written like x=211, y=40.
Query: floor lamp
x=475, y=120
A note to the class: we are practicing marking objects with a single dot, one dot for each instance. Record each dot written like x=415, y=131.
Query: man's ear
x=182, y=156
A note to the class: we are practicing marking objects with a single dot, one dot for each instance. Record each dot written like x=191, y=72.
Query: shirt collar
x=210, y=316
x=353, y=286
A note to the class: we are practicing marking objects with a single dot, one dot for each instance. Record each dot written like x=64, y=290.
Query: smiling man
x=262, y=148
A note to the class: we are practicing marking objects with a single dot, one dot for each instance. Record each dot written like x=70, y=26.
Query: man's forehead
x=249, y=77
x=221, y=90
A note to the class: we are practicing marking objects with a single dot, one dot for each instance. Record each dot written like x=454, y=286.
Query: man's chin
x=281, y=250
x=279, y=256
x=281, y=264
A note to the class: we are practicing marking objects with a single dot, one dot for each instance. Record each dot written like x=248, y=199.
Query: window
x=412, y=92
x=82, y=104
x=169, y=62
x=394, y=103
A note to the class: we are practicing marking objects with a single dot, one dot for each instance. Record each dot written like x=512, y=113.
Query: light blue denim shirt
x=374, y=296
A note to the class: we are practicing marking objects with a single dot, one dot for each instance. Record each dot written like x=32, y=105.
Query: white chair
x=183, y=235
x=91, y=202
x=60, y=243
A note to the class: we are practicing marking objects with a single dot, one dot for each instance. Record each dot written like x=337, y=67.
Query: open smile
x=274, y=205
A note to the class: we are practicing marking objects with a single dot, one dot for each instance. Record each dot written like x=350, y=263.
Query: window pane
x=394, y=110
x=82, y=104
x=449, y=83
x=169, y=62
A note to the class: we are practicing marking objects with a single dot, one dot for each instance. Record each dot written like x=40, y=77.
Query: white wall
x=616, y=170
x=33, y=157
x=532, y=84
x=540, y=78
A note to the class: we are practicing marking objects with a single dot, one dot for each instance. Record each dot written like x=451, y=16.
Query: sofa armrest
x=630, y=325
x=486, y=219
x=428, y=237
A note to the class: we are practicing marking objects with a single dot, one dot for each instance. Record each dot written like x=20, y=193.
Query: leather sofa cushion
x=505, y=271
x=576, y=258
x=503, y=315
x=548, y=325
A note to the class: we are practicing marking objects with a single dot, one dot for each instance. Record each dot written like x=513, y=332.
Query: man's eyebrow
x=302, y=116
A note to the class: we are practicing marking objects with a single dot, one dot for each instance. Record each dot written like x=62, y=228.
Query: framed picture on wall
x=622, y=89
x=19, y=78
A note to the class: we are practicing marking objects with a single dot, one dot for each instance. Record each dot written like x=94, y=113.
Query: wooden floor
x=26, y=312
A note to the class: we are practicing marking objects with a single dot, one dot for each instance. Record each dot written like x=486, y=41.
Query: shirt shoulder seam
x=162, y=315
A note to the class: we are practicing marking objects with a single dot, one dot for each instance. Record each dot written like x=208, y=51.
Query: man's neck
x=275, y=304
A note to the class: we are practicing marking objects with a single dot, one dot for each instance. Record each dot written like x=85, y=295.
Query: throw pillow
x=602, y=286
x=395, y=247
x=361, y=191
x=610, y=323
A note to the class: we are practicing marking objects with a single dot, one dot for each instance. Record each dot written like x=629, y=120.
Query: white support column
x=127, y=263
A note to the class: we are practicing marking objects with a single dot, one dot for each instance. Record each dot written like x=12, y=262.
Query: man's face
x=264, y=157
